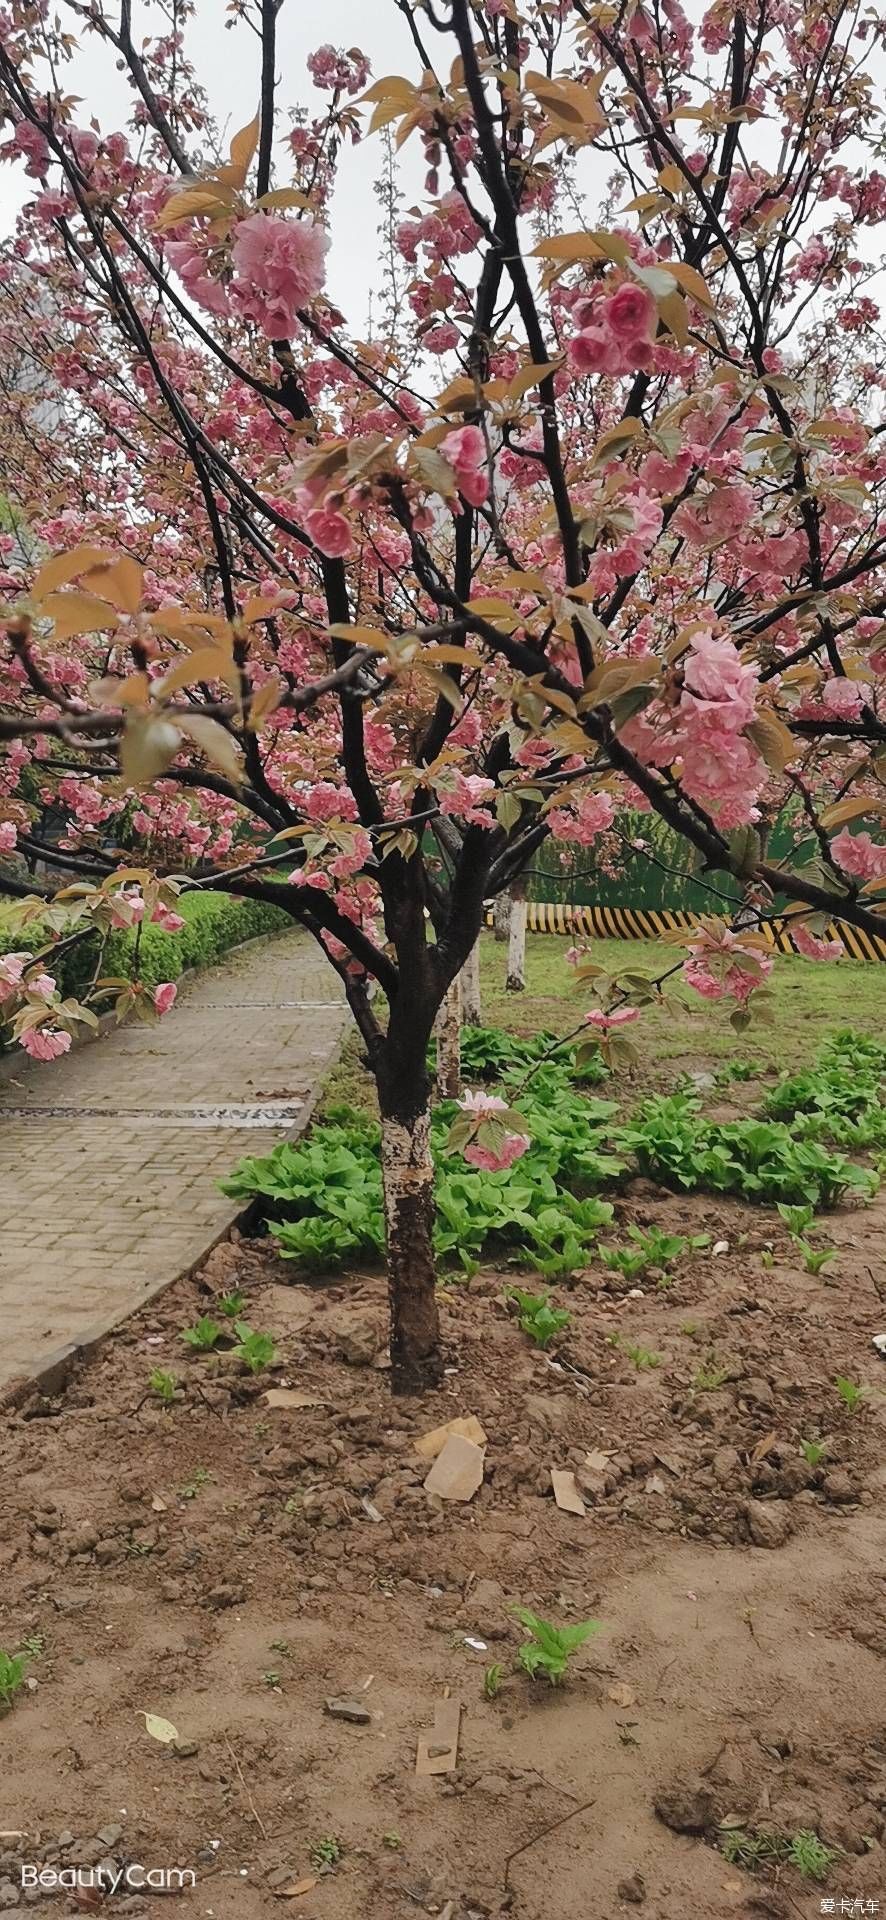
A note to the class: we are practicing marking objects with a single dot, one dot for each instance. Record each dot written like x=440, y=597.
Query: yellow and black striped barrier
x=648, y=923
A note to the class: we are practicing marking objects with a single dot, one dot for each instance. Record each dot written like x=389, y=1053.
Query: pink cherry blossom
x=493, y=1159
x=465, y=449
x=45, y=1043
x=631, y=312
x=164, y=917
x=859, y=855
x=43, y=985
x=481, y=1102
x=279, y=266
x=165, y=996
x=593, y=815
x=8, y=836
x=604, y=1022
x=12, y=966
x=812, y=947
x=843, y=697
x=330, y=531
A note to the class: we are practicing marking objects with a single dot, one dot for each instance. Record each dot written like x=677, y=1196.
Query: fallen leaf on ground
x=654, y=1483
x=457, y=1471
x=297, y=1887
x=566, y=1493
x=430, y=1444
x=763, y=1447
x=160, y=1729
x=621, y=1694
x=158, y=1505
x=597, y=1461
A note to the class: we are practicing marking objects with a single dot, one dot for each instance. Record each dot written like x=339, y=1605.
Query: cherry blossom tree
x=590, y=521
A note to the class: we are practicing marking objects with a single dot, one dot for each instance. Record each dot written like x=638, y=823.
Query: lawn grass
x=809, y=1000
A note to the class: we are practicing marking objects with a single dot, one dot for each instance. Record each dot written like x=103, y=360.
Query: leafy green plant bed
x=759, y=1159
x=322, y=1197
x=840, y=1098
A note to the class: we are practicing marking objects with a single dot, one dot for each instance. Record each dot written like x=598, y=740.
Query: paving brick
x=112, y=1196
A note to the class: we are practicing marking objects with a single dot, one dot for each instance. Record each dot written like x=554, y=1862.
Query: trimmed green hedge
x=214, y=922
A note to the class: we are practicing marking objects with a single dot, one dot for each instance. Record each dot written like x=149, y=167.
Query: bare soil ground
x=229, y=1565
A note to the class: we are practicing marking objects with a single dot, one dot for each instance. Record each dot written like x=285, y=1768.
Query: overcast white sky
x=227, y=63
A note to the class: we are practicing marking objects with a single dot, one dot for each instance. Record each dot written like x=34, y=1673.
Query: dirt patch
x=232, y=1565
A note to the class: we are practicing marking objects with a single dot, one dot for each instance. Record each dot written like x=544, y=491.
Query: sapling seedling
x=326, y=1852
x=492, y=1680
x=800, y=1219
x=12, y=1678
x=392, y=1841
x=550, y=1648
x=203, y=1335
x=232, y=1304
x=536, y=1317
x=814, y=1258
x=163, y=1385
x=810, y=1856
x=813, y=1451
x=850, y=1393
x=256, y=1350
x=645, y=1358
x=711, y=1376
x=195, y=1485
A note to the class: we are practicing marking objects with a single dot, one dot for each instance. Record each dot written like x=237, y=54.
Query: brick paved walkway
x=109, y=1158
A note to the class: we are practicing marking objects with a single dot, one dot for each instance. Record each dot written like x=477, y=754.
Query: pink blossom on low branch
x=43, y=985
x=503, y=1154
x=814, y=948
x=165, y=996
x=859, y=855
x=12, y=966
x=45, y=1043
x=8, y=836
x=481, y=1102
x=279, y=266
x=165, y=917
x=605, y=1022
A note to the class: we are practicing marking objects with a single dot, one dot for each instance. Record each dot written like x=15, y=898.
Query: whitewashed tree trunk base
x=516, y=980
x=471, y=1003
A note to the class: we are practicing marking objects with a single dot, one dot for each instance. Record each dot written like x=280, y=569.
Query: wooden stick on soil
x=252, y=1806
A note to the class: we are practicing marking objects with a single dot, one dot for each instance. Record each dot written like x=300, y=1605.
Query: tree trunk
x=408, y=1182
x=516, y=980
x=501, y=914
x=448, y=1028
x=471, y=1003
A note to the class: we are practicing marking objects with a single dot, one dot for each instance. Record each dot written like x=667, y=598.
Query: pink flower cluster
x=720, y=767
x=620, y=336
x=338, y=71
x=464, y=795
x=814, y=948
x=279, y=266
x=491, y=1158
x=45, y=1043
x=859, y=855
x=714, y=967
x=465, y=449
x=584, y=823
x=604, y=1022
x=8, y=836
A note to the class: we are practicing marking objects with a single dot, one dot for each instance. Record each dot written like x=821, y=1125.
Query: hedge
x=214, y=922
